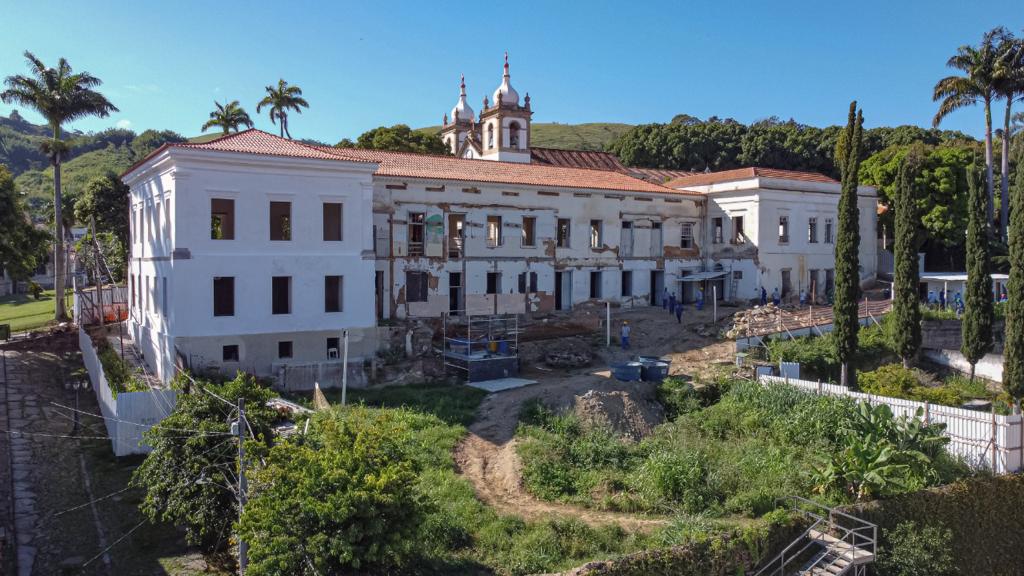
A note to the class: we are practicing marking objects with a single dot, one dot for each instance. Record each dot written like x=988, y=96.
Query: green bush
x=342, y=498
x=676, y=480
x=895, y=381
x=678, y=397
x=980, y=512
x=120, y=375
x=913, y=550
x=817, y=357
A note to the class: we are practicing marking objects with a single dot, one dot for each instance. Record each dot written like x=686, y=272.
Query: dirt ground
x=71, y=511
x=487, y=456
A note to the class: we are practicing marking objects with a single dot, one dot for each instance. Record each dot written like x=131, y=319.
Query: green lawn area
x=23, y=312
x=452, y=404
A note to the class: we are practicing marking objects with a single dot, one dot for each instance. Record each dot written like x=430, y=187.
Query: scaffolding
x=483, y=347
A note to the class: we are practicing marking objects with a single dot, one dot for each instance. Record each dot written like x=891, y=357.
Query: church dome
x=462, y=111
x=507, y=93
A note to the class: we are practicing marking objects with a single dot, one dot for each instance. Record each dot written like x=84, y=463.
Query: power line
x=111, y=418
x=123, y=536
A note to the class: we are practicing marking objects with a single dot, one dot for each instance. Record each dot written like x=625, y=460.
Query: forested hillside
x=589, y=136
x=91, y=156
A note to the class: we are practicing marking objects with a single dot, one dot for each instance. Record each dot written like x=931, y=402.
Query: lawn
x=23, y=312
x=452, y=404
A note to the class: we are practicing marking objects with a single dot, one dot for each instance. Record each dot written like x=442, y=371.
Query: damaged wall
x=646, y=243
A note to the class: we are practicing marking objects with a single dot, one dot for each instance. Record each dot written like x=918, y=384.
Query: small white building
x=247, y=251
x=778, y=228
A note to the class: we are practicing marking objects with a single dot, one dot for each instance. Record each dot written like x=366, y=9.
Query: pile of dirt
x=632, y=417
x=745, y=321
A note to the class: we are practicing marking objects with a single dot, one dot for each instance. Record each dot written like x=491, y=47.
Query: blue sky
x=365, y=64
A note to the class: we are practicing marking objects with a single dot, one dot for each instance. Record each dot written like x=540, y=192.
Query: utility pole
x=243, y=548
x=99, y=279
x=344, y=367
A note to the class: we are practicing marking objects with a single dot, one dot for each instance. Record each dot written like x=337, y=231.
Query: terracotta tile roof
x=747, y=174
x=409, y=165
x=576, y=159
x=658, y=175
x=251, y=141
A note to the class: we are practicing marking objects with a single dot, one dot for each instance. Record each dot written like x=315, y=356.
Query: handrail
x=782, y=555
x=850, y=536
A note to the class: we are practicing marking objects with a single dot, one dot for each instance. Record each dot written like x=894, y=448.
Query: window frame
x=529, y=240
x=341, y=222
x=339, y=291
x=227, y=309
x=284, y=226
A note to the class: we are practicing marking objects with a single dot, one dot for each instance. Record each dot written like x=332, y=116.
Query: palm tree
x=976, y=85
x=229, y=117
x=1010, y=86
x=280, y=100
x=61, y=96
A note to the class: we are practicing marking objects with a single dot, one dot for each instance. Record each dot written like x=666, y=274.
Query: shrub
x=35, y=290
x=895, y=381
x=913, y=550
x=889, y=380
x=678, y=397
x=669, y=481
x=120, y=375
x=341, y=499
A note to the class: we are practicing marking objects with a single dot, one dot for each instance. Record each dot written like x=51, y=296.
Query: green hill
x=590, y=136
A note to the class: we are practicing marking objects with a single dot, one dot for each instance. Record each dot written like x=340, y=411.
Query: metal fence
x=984, y=440
x=127, y=415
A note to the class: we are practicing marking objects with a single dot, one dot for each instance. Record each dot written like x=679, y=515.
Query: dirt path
x=487, y=456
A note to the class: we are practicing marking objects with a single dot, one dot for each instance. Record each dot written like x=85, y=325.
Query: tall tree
x=847, y=258
x=60, y=95
x=1013, y=351
x=188, y=476
x=229, y=117
x=22, y=246
x=279, y=100
x=976, y=327
x=905, y=330
x=105, y=199
x=1010, y=86
x=977, y=84
x=398, y=138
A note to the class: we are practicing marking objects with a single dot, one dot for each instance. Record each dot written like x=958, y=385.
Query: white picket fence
x=984, y=440
x=127, y=415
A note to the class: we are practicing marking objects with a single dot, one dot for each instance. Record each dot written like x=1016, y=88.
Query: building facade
x=242, y=259
x=254, y=252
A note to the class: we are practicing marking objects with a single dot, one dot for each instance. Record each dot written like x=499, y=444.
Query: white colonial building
x=253, y=252
x=249, y=250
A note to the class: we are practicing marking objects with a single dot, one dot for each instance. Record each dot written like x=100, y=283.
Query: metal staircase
x=835, y=544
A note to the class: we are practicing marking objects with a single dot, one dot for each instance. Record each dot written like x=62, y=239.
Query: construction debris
x=568, y=359
x=748, y=322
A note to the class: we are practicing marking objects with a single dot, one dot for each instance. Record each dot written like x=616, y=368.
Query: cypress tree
x=1013, y=353
x=976, y=328
x=905, y=333
x=847, y=261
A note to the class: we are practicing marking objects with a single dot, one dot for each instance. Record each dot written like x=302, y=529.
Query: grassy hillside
x=590, y=136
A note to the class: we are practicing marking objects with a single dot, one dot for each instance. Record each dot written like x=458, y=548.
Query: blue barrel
x=654, y=371
x=627, y=372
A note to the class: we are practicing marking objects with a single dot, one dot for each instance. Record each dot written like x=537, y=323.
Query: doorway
x=379, y=290
x=455, y=301
x=657, y=286
x=563, y=290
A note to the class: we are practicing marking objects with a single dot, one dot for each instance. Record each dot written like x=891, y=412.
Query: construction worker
x=775, y=296
x=679, y=311
x=764, y=296
x=700, y=298
x=624, y=335
x=672, y=303
x=803, y=297
x=664, y=299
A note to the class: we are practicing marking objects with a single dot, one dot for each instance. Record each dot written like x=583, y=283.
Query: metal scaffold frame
x=471, y=340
